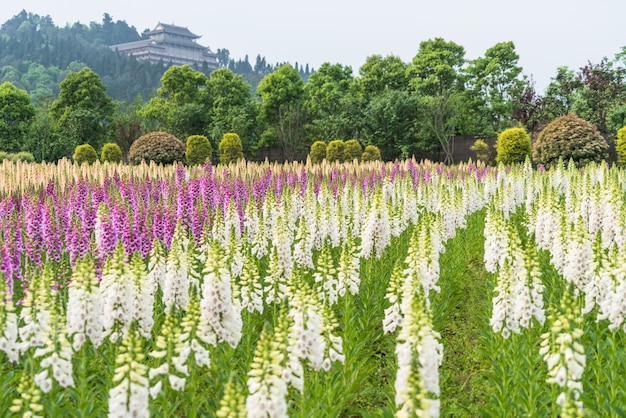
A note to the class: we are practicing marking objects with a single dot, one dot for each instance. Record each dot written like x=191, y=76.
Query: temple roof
x=177, y=30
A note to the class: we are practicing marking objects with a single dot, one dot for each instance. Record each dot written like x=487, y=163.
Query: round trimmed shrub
x=352, y=150
x=85, y=153
x=569, y=137
x=318, y=152
x=111, y=153
x=481, y=148
x=620, y=147
x=198, y=149
x=160, y=147
x=513, y=146
x=24, y=156
x=371, y=153
x=231, y=149
x=335, y=151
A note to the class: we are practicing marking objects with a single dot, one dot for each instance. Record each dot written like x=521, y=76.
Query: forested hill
x=36, y=55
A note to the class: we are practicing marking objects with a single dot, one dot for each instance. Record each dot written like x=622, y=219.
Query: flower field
x=263, y=290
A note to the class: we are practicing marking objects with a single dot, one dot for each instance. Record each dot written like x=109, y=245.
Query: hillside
x=35, y=55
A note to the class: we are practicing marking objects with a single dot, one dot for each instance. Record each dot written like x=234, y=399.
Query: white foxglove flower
x=326, y=277
x=85, y=305
x=35, y=312
x=266, y=384
x=564, y=355
x=130, y=395
x=233, y=403
x=118, y=295
x=348, y=274
x=196, y=335
x=143, y=304
x=376, y=234
x=250, y=286
x=419, y=354
x=8, y=323
x=218, y=307
x=157, y=267
x=55, y=356
x=176, y=282
x=29, y=404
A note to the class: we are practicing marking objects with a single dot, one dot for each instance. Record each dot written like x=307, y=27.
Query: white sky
x=547, y=33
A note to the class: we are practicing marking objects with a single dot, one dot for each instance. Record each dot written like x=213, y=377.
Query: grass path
x=461, y=314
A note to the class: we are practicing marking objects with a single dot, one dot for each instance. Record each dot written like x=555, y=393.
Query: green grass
x=461, y=315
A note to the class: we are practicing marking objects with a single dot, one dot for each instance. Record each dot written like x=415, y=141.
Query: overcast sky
x=547, y=33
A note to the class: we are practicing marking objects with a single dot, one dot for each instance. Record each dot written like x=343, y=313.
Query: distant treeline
x=36, y=55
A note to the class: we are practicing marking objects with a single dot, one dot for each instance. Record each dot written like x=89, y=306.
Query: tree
x=329, y=91
x=128, y=125
x=527, y=107
x=233, y=109
x=380, y=74
x=43, y=141
x=602, y=87
x=435, y=70
x=283, y=108
x=182, y=84
x=435, y=76
x=559, y=97
x=16, y=116
x=495, y=85
x=182, y=108
x=390, y=122
x=83, y=111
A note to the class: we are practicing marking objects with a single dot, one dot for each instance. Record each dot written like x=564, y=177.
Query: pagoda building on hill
x=170, y=44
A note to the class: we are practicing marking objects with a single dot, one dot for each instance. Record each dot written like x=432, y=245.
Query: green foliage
x=160, y=147
x=318, y=152
x=513, y=146
x=230, y=148
x=481, y=149
x=111, y=152
x=330, y=102
x=371, y=153
x=352, y=150
x=16, y=116
x=335, y=151
x=20, y=156
x=381, y=74
x=569, y=137
x=620, y=146
x=495, y=85
x=391, y=123
x=85, y=153
x=182, y=84
x=283, y=107
x=183, y=107
x=435, y=70
x=83, y=110
x=24, y=156
x=233, y=109
x=198, y=150
x=44, y=142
